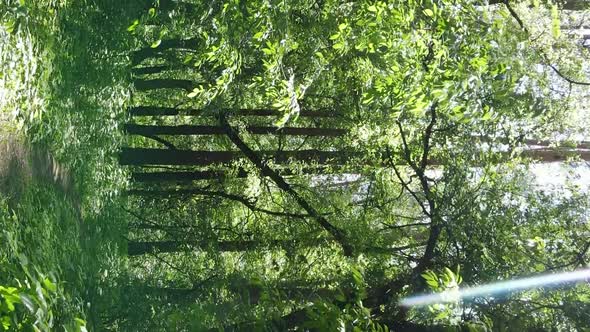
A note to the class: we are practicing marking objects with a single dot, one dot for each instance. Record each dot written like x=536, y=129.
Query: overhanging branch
x=337, y=233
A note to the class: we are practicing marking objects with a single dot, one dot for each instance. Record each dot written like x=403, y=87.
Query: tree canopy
x=293, y=165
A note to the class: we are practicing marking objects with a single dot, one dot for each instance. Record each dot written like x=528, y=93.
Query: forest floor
x=58, y=175
x=41, y=256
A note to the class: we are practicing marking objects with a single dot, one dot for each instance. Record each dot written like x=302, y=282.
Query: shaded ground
x=21, y=164
x=60, y=104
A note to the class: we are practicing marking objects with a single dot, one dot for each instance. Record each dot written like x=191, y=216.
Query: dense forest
x=294, y=165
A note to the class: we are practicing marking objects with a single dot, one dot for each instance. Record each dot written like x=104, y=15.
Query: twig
x=543, y=54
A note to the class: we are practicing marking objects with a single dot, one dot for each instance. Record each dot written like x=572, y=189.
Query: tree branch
x=337, y=233
x=427, y=137
x=543, y=54
x=405, y=185
x=162, y=141
x=515, y=15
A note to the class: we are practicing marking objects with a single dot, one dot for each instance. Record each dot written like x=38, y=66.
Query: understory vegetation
x=293, y=165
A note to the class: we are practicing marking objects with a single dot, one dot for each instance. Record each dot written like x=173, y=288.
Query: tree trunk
x=155, y=84
x=142, y=156
x=169, y=111
x=149, y=52
x=247, y=291
x=150, y=70
x=548, y=155
x=143, y=130
x=169, y=5
x=183, y=176
x=247, y=202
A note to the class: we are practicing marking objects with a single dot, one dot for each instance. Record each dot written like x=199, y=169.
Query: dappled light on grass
x=497, y=288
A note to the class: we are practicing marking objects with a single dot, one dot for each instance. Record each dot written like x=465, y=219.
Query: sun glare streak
x=496, y=288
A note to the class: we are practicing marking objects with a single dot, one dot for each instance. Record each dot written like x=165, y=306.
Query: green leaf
x=152, y=12
x=23, y=259
x=442, y=315
x=10, y=26
x=29, y=304
x=187, y=59
x=450, y=276
x=428, y=12
x=5, y=322
x=431, y=279
x=357, y=276
x=49, y=285
x=372, y=8
x=133, y=26
x=335, y=36
x=156, y=43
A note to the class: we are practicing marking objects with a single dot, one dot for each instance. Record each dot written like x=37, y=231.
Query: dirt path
x=22, y=164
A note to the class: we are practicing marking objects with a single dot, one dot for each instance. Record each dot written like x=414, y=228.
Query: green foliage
x=437, y=100
x=436, y=97
x=55, y=243
x=447, y=283
x=31, y=306
x=31, y=299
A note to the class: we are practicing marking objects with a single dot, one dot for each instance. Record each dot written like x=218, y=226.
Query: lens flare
x=496, y=288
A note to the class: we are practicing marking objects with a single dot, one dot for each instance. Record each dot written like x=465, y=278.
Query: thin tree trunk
x=566, y=4
x=168, y=5
x=169, y=111
x=145, y=130
x=248, y=291
x=548, y=155
x=247, y=202
x=143, y=156
x=579, y=146
x=142, y=54
x=150, y=70
x=183, y=176
x=155, y=84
